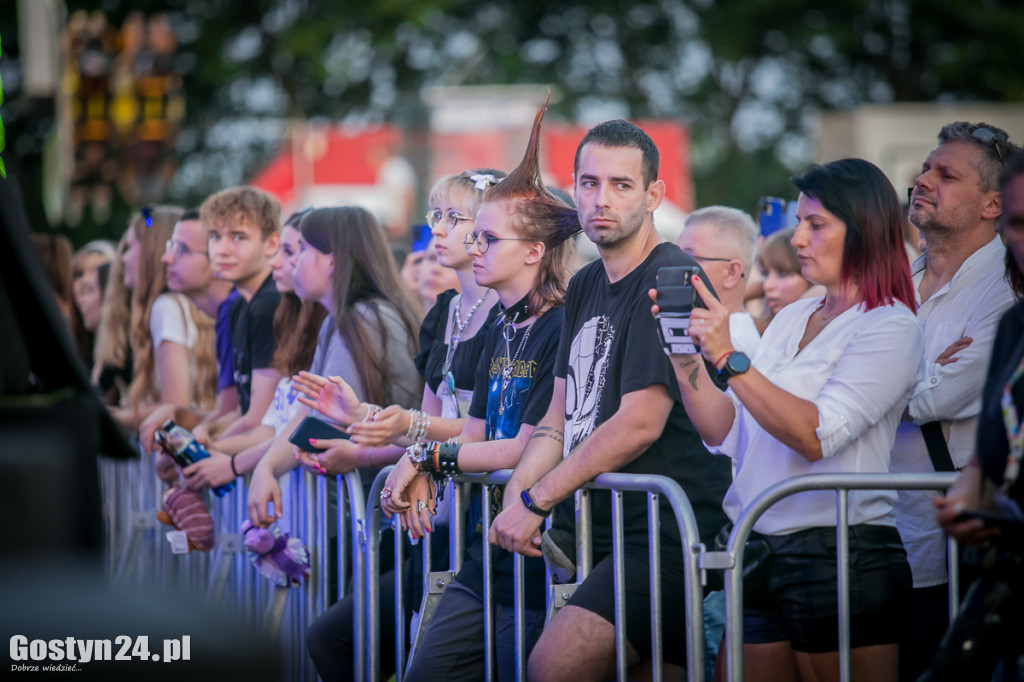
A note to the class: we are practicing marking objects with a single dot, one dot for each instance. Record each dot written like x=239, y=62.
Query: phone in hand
x=312, y=427
x=676, y=300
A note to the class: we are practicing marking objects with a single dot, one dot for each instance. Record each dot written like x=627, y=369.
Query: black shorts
x=597, y=595
x=793, y=596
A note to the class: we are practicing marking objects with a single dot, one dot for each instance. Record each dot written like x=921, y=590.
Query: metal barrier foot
x=437, y=581
x=558, y=596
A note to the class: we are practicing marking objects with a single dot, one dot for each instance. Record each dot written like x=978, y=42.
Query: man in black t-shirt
x=615, y=407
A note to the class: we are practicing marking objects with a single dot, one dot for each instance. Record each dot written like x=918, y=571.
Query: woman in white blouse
x=823, y=394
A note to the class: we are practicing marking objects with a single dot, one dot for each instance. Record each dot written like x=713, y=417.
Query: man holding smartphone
x=615, y=407
x=961, y=292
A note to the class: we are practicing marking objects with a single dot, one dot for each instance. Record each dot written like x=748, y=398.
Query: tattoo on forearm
x=547, y=432
x=687, y=362
x=693, y=377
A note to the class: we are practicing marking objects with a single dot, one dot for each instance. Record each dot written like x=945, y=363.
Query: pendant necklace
x=509, y=334
x=448, y=379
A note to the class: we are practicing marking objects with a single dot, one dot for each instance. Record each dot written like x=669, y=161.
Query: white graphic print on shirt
x=584, y=381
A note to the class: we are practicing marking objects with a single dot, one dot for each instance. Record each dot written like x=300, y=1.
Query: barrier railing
x=616, y=484
x=732, y=559
x=137, y=553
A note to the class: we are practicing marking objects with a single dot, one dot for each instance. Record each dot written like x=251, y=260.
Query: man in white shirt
x=723, y=241
x=962, y=292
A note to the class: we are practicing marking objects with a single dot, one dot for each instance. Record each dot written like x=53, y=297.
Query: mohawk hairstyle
x=540, y=216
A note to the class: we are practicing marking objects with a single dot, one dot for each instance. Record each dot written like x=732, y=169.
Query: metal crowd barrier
x=557, y=595
x=137, y=553
x=732, y=559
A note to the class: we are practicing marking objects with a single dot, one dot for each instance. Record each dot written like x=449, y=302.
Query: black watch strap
x=531, y=505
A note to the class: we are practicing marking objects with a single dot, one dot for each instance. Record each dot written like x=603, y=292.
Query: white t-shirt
x=283, y=406
x=970, y=304
x=169, y=320
x=859, y=371
x=743, y=333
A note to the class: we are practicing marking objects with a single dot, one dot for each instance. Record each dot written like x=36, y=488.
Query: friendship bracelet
x=719, y=360
x=371, y=412
x=233, y=469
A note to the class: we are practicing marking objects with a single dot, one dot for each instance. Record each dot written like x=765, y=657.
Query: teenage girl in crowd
x=780, y=276
x=368, y=338
x=171, y=339
x=87, y=285
x=451, y=342
x=296, y=326
x=824, y=393
x=112, y=355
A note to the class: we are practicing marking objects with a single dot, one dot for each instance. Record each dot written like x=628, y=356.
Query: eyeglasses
x=484, y=240
x=991, y=137
x=451, y=218
x=707, y=259
x=180, y=249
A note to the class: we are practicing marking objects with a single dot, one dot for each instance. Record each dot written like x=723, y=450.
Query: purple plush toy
x=281, y=558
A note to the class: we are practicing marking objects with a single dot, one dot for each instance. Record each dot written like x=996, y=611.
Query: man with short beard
x=615, y=407
x=961, y=293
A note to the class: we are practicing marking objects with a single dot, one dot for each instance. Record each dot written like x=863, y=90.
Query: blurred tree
x=747, y=76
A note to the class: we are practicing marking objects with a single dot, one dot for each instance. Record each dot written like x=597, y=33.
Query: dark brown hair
x=364, y=273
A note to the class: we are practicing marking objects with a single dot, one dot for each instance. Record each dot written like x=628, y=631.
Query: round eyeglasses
x=450, y=219
x=484, y=240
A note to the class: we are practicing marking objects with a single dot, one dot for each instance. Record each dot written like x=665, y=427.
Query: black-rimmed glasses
x=484, y=240
x=450, y=218
x=991, y=137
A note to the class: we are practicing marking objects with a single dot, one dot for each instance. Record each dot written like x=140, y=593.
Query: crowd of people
x=503, y=352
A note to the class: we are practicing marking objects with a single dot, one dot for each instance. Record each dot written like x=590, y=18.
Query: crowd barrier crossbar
x=616, y=484
x=138, y=555
x=732, y=559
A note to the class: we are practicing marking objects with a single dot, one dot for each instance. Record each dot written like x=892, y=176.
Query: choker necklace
x=517, y=311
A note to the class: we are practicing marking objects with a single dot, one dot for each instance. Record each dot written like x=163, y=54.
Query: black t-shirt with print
x=252, y=335
x=610, y=347
x=524, y=400
x=433, y=348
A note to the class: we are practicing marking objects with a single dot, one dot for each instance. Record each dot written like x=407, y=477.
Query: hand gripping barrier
x=137, y=553
x=732, y=558
x=616, y=483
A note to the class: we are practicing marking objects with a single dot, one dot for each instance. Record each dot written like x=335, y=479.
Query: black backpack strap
x=938, y=451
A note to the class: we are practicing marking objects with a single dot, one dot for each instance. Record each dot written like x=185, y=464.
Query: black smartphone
x=311, y=427
x=675, y=289
x=676, y=300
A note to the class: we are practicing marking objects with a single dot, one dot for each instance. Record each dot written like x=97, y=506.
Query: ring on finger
x=420, y=505
x=385, y=494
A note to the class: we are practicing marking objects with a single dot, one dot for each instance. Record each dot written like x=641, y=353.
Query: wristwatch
x=736, y=363
x=531, y=505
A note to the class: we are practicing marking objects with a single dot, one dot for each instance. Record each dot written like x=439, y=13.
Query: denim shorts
x=793, y=596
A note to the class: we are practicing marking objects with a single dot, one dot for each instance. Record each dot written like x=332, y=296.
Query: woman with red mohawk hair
x=522, y=249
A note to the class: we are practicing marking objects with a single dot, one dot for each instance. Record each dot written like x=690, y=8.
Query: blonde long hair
x=153, y=231
x=111, y=348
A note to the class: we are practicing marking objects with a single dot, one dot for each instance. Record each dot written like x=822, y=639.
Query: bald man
x=723, y=241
